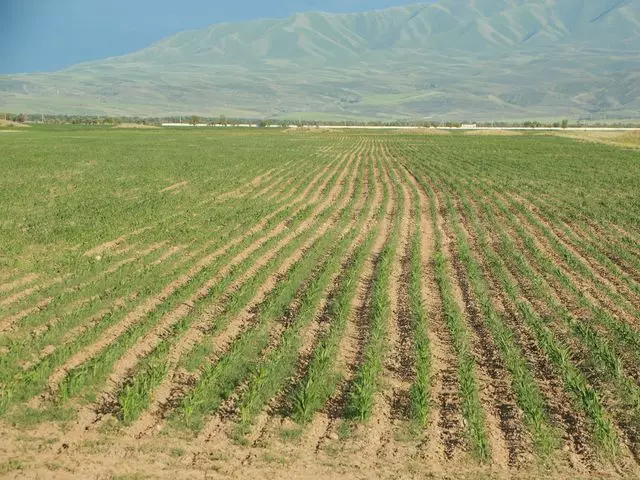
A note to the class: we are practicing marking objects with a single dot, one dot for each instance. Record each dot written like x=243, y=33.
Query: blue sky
x=46, y=35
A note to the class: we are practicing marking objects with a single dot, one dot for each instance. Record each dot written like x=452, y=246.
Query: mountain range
x=452, y=59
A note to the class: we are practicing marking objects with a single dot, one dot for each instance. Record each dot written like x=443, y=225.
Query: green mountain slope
x=482, y=59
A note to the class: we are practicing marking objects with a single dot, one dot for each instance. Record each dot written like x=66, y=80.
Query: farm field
x=253, y=303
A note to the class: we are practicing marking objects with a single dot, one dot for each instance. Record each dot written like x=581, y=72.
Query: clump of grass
x=11, y=466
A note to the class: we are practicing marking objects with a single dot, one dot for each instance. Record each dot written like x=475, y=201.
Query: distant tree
x=556, y=124
x=222, y=120
x=565, y=123
x=22, y=118
x=195, y=120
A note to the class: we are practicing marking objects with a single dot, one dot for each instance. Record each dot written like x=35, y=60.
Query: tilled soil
x=299, y=203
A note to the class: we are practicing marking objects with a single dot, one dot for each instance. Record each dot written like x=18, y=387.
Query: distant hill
x=463, y=59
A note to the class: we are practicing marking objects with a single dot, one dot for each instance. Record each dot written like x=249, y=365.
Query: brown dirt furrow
x=276, y=194
x=318, y=430
x=626, y=267
x=496, y=395
x=8, y=276
x=168, y=254
x=93, y=320
x=262, y=431
x=598, y=270
x=72, y=334
x=220, y=427
x=52, y=322
x=175, y=186
x=393, y=402
x=48, y=301
x=48, y=325
x=8, y=323
x=21, y=282
x=603, y=229
x=581, y=357
x=585, y=229
x=444, y=439
x=632, y=236
x=312, y=333
x=274, y=190
x=112, y=269
x=153, y=302
x=45, y=327
x=229, y=408
x=250, y=189
x=246, y=190
x=591, y=291
x=520, y=448
x=239, y=192
x=284, y=323
x=279, y=189
x=264, y=177
x=573, y=424
x=400, y=362
x=139, y=312
x=356, y=333
x=124, y=248
x=197, y=332
x=14, y=298
x=215, y=427
x=5, y=323
x=100, y=249
x=143, y=253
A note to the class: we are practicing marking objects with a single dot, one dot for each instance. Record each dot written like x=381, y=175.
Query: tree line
x=222, y=120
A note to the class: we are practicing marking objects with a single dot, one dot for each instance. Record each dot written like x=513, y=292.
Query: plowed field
x=213, y=304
